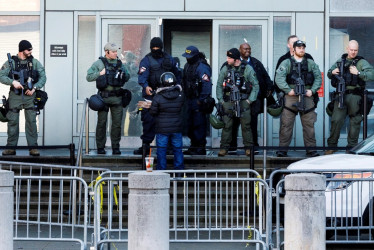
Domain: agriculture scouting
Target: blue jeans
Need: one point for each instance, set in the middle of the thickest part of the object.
(162, 144)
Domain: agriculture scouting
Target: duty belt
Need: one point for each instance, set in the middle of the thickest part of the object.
(105, 94)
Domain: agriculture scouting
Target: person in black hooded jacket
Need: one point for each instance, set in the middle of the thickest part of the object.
(166, 108)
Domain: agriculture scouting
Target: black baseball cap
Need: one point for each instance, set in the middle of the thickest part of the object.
(299, 43)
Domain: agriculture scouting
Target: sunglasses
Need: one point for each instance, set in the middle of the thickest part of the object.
(29, 49)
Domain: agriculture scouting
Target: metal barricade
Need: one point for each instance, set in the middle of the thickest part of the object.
(349, 205)
(206, 206)
(41, 203)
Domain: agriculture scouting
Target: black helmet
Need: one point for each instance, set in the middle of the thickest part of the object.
(3, 113)
(330, 108)
(4, 110)
(97, 103)
(216, 122)
(168, 79)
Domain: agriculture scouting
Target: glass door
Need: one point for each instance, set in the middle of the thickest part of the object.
(133, 37)
(229, 34)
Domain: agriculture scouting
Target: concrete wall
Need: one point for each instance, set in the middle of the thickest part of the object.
(58, 111)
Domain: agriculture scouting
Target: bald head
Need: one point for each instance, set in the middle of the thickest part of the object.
(352, 49)
(245, 50)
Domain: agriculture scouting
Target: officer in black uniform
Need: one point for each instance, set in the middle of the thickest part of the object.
(197, 87)
(151, 68)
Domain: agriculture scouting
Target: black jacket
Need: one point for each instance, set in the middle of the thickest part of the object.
(167, 109)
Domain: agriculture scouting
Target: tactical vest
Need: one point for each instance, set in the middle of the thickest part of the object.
(237, 79)
(192, 82)
(114, 76)
(350, 79)
(157, 69)
(27, 68)
(306, 76)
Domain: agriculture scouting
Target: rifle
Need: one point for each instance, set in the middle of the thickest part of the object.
(21, 76)
(299, 90)
(235, 95)
(340, 87)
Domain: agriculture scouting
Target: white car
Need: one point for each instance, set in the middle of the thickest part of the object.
(350, 187)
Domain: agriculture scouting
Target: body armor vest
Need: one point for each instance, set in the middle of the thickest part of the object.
(192, 82)
(350, 79)
(114, 76)
(157, 69)
(28, 72)
(237, 78)
(306, 76)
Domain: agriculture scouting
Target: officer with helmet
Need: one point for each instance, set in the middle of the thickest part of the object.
(197, 86)
(151, 67)
(166, 108)
(287, 75)
(110, 76)
(22, 95)
(236, 75)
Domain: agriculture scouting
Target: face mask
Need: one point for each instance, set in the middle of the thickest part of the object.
(193, 59)
(156, 53)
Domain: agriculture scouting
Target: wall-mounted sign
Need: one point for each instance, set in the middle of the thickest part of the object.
(59, 50)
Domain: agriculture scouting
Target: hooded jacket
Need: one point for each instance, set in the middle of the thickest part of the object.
(167, 109)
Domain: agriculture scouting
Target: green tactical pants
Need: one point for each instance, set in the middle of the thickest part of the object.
(287, 121)
(22, 102)
(116, 110)
(245, 122)
(352, 109)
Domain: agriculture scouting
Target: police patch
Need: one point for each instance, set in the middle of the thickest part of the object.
(141, 70)
(205, 77)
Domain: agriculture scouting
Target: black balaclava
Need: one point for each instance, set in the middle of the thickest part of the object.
(156, 42)
(193, 59)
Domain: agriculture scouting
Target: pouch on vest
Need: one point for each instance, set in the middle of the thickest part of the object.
(101, 82)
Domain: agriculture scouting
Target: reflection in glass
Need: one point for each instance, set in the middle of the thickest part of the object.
(343, 29)
(86, 56)
(281, 31)
(231, 36)
(134, 43)
(13, 29)
(20, 5)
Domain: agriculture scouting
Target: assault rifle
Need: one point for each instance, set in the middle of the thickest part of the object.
(235, 95)
(21, 76)
(340, 87)
(299, 90)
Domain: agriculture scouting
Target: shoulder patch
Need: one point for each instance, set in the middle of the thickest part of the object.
(205, 77)
(141, 70)
(281, 68)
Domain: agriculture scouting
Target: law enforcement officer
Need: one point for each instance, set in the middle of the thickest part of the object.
(356, 72)
(266, 90)
(197, 87)
(151, 67)
(21, 95)
(110, 75)
(290, 71)
(233, 78)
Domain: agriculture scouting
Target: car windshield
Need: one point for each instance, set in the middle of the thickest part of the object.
(366, 147)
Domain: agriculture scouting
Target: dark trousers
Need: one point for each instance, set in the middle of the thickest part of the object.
(235, 129)
(148, 123)
(197, 123)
